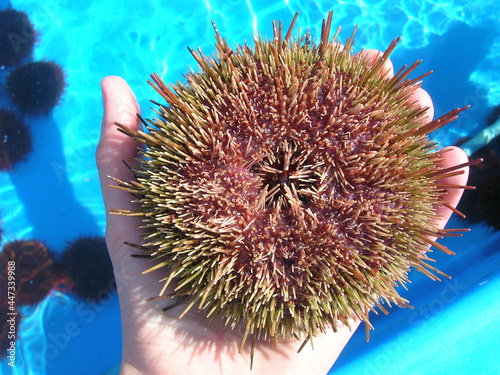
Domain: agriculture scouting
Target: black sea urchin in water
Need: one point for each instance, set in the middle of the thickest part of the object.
(85, 261)
(36, 87)
(17, 37)
(15, 139)
(287, 188)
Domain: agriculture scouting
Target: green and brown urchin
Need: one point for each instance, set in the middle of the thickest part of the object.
(287, 187)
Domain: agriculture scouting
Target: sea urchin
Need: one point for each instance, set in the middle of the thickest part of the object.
(15, 139)
(287, 188)
(36, 87)
(17, 37)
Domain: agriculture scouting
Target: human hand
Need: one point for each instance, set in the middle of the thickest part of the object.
(160, 343)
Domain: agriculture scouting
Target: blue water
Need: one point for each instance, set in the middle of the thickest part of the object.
(54, 196)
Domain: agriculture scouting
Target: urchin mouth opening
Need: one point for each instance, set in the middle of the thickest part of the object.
(287, 174)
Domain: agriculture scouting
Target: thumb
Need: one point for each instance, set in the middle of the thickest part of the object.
(115, 147)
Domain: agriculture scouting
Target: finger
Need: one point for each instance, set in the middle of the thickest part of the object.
(420, 97)
(115, 147)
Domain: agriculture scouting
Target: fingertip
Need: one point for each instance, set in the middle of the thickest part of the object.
(453, 155)
(111, 78)
(120, 106)
(422, 98)
(119, 102)
(370, 56)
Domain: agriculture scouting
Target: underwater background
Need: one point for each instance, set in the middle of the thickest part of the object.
(54, 197)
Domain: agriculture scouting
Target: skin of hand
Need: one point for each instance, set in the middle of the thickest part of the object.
(161, 343)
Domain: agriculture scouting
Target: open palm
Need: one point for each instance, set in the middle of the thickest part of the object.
(160, 343)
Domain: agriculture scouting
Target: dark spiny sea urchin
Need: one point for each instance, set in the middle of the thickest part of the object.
(86, 263)
(36, 87)
(17, 37)
(287, 188)
(35, 269)
(15, 139)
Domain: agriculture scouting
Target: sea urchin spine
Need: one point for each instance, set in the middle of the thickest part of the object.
(288, 187)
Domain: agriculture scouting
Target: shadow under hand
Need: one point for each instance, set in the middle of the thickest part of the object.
(49, 201)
